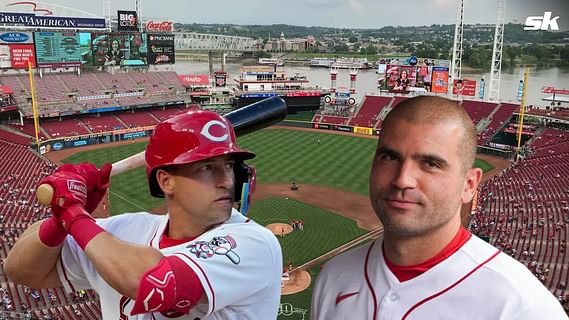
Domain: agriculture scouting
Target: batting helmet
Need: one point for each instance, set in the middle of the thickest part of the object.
(190, 137)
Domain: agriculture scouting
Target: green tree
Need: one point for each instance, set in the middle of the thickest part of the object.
(340, 48)
(263, 54)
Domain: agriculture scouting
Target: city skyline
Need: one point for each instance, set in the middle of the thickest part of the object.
(328, 13)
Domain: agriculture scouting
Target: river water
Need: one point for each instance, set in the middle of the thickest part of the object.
(367, 79)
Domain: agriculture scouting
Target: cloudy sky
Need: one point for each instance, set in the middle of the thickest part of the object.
(332, 13)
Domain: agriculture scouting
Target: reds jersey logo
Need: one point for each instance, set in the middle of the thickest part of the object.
(206, 131)
(218, 245)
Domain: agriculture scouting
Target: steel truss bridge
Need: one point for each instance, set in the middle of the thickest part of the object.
(214, 42)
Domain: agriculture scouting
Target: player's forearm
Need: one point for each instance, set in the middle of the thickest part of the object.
(30, 262)
(121, 264)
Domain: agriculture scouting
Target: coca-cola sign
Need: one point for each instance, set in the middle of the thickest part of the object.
(164, 26)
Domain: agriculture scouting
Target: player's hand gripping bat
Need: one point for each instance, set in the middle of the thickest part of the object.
(248, 119)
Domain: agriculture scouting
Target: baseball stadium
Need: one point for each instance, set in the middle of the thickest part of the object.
(311, 191)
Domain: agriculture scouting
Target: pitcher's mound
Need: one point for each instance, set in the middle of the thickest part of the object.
(299, 280)
(277, 228)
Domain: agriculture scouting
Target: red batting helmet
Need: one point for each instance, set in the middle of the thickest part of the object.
(190, 137)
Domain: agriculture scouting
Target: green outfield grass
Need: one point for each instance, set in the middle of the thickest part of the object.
(283, 156)
(484, 165)
(301, 116)
(287, 155)
(323, 231)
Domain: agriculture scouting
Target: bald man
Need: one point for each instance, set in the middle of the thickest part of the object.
(426, 265)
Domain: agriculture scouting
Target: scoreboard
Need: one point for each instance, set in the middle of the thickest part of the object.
(57, 49)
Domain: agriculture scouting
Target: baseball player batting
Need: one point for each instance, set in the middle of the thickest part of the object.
(203, 260)
(427, 266)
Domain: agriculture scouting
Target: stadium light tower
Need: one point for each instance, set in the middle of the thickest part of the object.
(107, 11)
(496, 69)
(138, 9)
(456, 67)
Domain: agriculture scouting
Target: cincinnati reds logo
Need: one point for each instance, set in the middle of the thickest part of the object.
(206, 131)
(218, 245)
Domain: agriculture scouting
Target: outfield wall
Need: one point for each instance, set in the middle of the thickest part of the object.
(93, 138)
(334, 127)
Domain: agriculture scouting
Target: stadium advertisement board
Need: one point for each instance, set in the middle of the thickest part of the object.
(16, 48)
(220, 78)
(194, 80)
(364, 130)
(163, 26)
(321, 126)
(400, 77)
(16, 37)
(161, 48)
(62, 49)
(465, 87)
(95, 138)
(127, 20)
(439, 80)
(119, 49)
(344, 128)
(49, 22)
(16, 56)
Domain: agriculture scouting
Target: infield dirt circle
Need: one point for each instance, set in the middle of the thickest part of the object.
(299, 281)
(277, 228)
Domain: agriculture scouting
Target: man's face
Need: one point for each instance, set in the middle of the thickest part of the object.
(204, 190)
(417, 183)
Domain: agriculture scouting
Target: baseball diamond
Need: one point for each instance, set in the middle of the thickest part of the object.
(338, 187)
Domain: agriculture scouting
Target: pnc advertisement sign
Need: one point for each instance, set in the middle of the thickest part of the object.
(127, 20)
(161, 48)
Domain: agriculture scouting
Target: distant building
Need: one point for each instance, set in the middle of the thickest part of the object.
(289, 45)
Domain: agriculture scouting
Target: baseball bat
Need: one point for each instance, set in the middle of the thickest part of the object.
(250, 118)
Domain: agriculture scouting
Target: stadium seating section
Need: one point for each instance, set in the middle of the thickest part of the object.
(370, 114)
(69, 92)
(524, 210)
(20, 170)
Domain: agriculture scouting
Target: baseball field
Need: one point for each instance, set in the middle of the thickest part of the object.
(331, 172)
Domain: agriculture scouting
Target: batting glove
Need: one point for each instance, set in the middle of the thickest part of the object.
(67, 205)
(97, 181)
(70, 189)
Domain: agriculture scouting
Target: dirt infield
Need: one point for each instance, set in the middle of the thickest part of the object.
(299, 281)
(279, 229)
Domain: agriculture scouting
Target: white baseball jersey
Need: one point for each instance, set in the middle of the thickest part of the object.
(239, 264)
(476, 282)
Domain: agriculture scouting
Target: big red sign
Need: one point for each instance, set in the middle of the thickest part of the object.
(164, 26)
